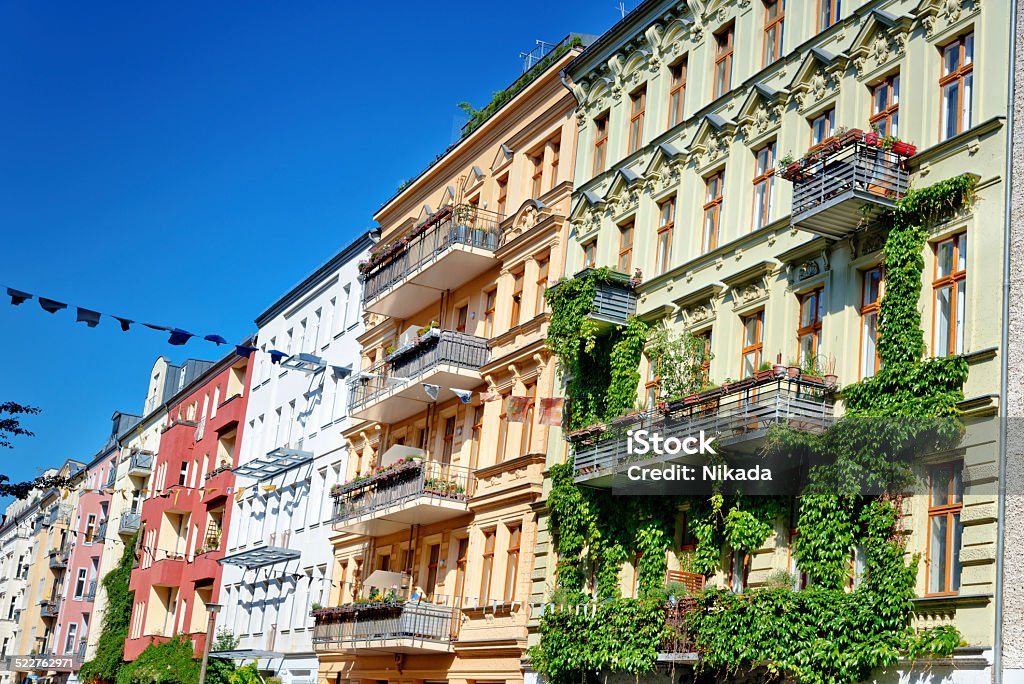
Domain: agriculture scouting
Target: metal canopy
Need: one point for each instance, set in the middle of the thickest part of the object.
(307, 363)
(274, 463)
(260, 556)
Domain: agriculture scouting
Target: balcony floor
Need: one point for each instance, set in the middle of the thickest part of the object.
(421, 510)
(839, 216)
(405, 400)
(387, 646)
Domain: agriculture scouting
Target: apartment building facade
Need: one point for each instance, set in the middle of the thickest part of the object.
(183, 520)
(433, 521)
(279, 556)
(687, 119)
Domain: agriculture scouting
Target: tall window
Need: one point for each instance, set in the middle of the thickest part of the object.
(723, 60)
(945, 502)
(828, 13)
(666, 224)
(433, 558)
(80, 581)
(517, 299)
(503, 428)
(677, 92)
(957, 84)
(638, 101)
(502, 195)
(600, 142)
(512, 567)
(871, 298)
(774, 21)
(625, 247)
(461, 318)
(764, 184)
(556, 148)
(527, 437)
(823, 127)
(543, 266)
(489, 301)
(448, 440)
(477, 432)
(462, 556)
(705, 366)
(90, 528)
(651, 383)
(590, 254)
(812, 308)
(950, 286)
(885, 106)
(488, 566)
(72, 638)
(537, 176)
(753, 329)
(712, 211)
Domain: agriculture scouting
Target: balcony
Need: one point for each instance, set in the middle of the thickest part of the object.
(614, 298)
(679, 642)
(49, 608)
(140, 463)
(738, 416)
(90, 593)
(834, 185)
(393, 391)
(410, 492)
(129, 523)
(449, 249)
(166, 570)
(59, 557)
(386, 628)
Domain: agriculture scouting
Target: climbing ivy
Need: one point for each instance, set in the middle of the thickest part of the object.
(109, 657)
(825, 634)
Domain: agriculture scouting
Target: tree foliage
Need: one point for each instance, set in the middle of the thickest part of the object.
(11, 414)
(168, 663)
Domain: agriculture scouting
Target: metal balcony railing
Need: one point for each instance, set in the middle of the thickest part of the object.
(90, 593)
(732, 416)
(434, 348)
(403, 482)
(49, 607)
(140, 461)
(462, 224)
(352, 624)
(111, 477)
(59, 557)
(679, 638)
(129, 522)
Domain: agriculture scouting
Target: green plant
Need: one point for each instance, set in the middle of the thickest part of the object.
(167, 663)
(225, 641)
(680, 360)
(109, 658)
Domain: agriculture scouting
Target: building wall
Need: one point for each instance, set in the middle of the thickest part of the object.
(16, 535)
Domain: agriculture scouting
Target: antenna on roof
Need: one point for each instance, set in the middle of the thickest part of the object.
(535, 55)
(622, 9)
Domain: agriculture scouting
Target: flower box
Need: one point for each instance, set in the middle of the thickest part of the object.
(904, 149)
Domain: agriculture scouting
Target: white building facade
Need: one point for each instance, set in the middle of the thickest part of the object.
(16, 535)
(279, 556)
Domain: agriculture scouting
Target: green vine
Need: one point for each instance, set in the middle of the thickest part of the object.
(826, 633)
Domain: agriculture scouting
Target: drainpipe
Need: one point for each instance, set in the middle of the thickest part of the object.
(997, 646)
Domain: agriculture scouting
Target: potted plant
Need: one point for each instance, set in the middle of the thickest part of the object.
(793, 369)
(904, 148)
(764, 372)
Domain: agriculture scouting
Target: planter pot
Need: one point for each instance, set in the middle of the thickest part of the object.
(813, 379)
(712, 393)
(691, 399)
(740, 385)
(904, 149)
(779, 370)
(793, 372)
(831, 380)
(763, 375)
(871, 138)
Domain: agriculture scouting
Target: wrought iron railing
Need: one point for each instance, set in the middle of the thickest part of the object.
(420, 621)
(679, 637)
(130, 522)
(463, 224)
(856, 166)
(405, 481)
(434, 348)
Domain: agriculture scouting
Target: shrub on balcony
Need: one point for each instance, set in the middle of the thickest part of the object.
(380, 474)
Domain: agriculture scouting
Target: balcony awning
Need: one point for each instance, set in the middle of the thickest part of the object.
(245, 654)
(306, 363)
(274, 463)
(260, 557)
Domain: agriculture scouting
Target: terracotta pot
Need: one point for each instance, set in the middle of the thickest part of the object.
(793, 372)
(763, 375)
(904, 149)
(779, 370)
(831, 380)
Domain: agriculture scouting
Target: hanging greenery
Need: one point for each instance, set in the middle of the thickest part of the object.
(109, 657)
(827, 633)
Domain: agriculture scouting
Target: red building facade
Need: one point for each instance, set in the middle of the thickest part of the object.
(185, 518)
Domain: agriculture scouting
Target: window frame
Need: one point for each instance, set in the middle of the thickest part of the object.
(956, 76)
(833, 8)
(518, 283)
(677, 91)
(778, 23)
(490, 304)
(487, 564)
(712, 207)
(763, 179)
(515, 541)
(502, 203)
(636, 118)
(757, 347)
(590, 254)
(627, 236)
(663, 257)
(543, 273)
(872, 307)
(829, 115)
(724, 50)
(955, 280)
(601, 122)
(886, 120)
(813, 328)
(951, 511)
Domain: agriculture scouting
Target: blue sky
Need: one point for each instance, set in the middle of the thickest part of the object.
(186, 163)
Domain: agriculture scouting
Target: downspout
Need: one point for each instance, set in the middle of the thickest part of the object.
(1004, 370)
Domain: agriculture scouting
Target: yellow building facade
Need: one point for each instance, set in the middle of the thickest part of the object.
(435, 527)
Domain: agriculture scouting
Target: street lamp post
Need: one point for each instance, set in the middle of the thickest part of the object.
(213, 609)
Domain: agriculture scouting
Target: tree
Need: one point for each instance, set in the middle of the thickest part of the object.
(10, 426)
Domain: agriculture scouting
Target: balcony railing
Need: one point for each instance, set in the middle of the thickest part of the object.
(428, 490)
(90, 593)
(679, 639)
(445, 352)
(424, 625)
(832, 188)
(737, 416)
(140, 463)
(59, 557)
(49, 607)
(129, 523)
(614, 298)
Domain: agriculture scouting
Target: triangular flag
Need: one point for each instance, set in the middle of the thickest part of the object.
(51, 305)
(17, 296)
(463, 395)
(244, 351)
(87, 316)
(216, 339)
(431, 390)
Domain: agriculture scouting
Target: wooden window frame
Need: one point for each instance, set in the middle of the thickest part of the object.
(476, 434)
(625, 261)
(487, 564)
(652, 384)
(723, 59)
(543, 273)
(778, 23)
(834, 7)
(886, 120)
(705, 367)
(461, 559)
(448, 439)
(955, 280)
(712, 207)
(677, 91)
(814, 327)
(830, 116)
(502, 195)
(757, 347)
(637, 106)
(515, 541)
(518, 283)
(956, 76)
(503, 429)
(951, 511)
(537, 177)
(590, 254)
(601, 141)
(526, 437)
(556, 148)
(872, 307)
(764, 178)
(490, 304)
(663, 258)
(461, 318)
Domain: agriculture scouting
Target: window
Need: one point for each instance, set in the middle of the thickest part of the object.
(517, 299)
(885, 106)
(512, 567)
(812, 308)
(448, 440)
(556, 148)
(488, 566)
(590, 254)
(705, 365)
(537, 176)
(183, 473)
(651, 383)
(753, 329)
(476, 432)
(957, 85)
(774, 21)
(950, 286)
(676, 92)
(80, 582)
(90, 528)
(434, 557)
(502, 195)
(823, 127)
(489, 300)
(543, 266)
(636, 118)
(740, 571)
(600, 142)
(945, 501)
(461, 317)
(723, 60)
(764, 184)
(712, 211)
(462, 555)
(72, 638)
(527, 437)
(625, 247)
(871, 298)
(666, 223)
(502, 429)
(828, 13)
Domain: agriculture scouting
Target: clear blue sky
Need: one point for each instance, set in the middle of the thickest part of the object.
(186, 163)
